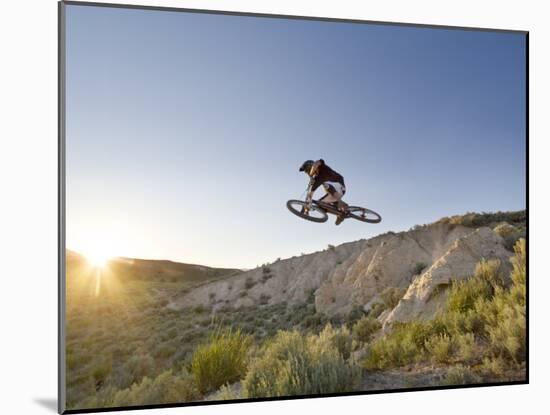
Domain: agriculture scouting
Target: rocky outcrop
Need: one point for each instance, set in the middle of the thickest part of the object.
(426, 293)
(420, 262)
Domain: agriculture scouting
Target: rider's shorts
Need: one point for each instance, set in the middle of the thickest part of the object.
(335, 191)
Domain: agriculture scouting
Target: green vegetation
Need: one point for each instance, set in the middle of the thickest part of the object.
(483, 323)
(391, 295)
(222, 360)
(127, 346)
(294, 364)
(364, 329)
(419, 267)
(461, 375)
(475, 220)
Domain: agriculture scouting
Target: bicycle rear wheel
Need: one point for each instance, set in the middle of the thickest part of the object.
(364, 214)
(315, 213)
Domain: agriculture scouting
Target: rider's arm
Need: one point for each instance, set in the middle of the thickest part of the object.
(315, 167)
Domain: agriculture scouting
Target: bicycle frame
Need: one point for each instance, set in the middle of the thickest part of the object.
(325, 206)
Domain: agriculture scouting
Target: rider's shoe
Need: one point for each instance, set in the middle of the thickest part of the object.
(339, 219)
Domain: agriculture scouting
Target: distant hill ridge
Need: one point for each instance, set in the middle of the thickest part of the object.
(415, 266)
(151, 269)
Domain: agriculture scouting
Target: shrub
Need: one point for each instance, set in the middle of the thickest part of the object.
(391, 296)
(404, 345)
(164, 351)
(165, 388)
(464, 294)
(377, 309)
(510, 234)
(494, 366)
(466, 347)
(504, 316)
(339, 338)
(355, 314)
(519, 275)
(101, 371)
(222, 360)
(226, 393)
(138, 366)
(485, 219)
(482, 319)
(460, 375)
(489, 271)
(249, 283)
(419, 267)
(314, 321)
(364, 329)
(505, 229)
(292, 364)
(439, 347)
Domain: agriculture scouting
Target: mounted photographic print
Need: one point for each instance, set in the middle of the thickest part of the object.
(264, 207)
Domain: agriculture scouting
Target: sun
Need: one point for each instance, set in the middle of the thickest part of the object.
(97, 258)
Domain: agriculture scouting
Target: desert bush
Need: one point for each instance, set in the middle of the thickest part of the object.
(164, 351)
(439, 348)
(505, 229)
(339, 338)
(293, 364)
(226, 393)
(460, 375)
(511, 234)
(490, 271)
(486, 219)
(464, 294)
(101, 371)
(364, 329)
(466, 347)
(494, 366)
(482, 319)
(221, 360)
(504, 316)
(354, 315)
(519, 272)
(377, 309)
(456, 323)
(391, 296)
(314, 321)
(165, 388)
(405, 344)
(419, 267)
(138, 366)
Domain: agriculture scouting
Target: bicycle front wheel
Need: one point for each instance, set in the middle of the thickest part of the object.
(313, 214)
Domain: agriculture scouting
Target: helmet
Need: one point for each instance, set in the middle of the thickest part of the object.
(306, 166)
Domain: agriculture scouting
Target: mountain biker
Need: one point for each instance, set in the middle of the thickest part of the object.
(332, 182)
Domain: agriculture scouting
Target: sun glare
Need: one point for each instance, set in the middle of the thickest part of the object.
(97, 258)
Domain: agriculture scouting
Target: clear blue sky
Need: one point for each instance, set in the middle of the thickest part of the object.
(185, 131)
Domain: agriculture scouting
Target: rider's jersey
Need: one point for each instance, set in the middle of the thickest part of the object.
(326, 174)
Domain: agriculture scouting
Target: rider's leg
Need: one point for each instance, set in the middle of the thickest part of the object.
(335, 192)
